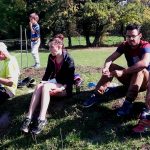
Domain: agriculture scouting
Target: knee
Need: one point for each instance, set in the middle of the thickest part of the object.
(115, 67)
(112, 67)
(39, 86)
(141, 74)
(45, 87)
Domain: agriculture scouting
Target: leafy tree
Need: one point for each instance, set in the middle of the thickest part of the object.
(11, 17)
(97, 17)
(135, 12)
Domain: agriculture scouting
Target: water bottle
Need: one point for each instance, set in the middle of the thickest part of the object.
(91, 85)
(78, 89)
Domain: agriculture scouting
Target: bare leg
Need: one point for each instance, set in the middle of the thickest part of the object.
(138, 81)
(147, 100)
(35, 100)
(45, 97)
(105, 81)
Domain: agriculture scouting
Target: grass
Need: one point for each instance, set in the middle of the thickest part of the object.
(109, 40)
(71, 127)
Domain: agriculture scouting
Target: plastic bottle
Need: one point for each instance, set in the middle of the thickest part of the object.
(91, 85)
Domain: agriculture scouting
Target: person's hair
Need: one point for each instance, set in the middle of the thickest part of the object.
(60, 36)
(34, 16)
(133, 26)
(56, 41)
(3, 49)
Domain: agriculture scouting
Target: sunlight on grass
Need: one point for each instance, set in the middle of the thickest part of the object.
(70, 127)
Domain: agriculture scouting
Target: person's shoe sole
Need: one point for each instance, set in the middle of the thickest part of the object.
(88, 105)
(25, 130)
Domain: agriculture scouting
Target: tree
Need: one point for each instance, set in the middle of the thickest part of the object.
(97, 17)
(135, 12)
(11, 18)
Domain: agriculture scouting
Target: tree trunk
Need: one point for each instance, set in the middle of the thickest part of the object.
(122, 30)
(69, 41)
(98, 33)
(86, 34)
(87, 38)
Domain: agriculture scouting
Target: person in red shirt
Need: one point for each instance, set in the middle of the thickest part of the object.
(135, 76)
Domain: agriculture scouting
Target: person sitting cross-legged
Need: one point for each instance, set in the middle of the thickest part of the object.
(57, 81)
(135, 76)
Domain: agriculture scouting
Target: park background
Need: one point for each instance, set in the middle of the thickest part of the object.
(92, 29)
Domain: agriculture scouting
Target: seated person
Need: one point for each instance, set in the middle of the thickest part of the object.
(143, 124)
(57, 81)
(135, 76)
(9, 73)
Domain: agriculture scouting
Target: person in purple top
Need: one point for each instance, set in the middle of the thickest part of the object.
(35, 38)
(135, 76)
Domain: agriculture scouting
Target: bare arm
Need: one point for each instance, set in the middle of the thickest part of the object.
(30, 24)
(140, 65)
(109, 61)
(6, 81)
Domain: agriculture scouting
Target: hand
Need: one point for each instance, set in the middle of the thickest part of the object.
(116, 73)
(55, 91)
(105, 71)
(30, 24)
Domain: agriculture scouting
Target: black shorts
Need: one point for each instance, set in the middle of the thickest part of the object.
(3, 95)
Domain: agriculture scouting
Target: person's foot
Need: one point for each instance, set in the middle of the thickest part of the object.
(25, 125)
(37, 66)
(39, 126)
(96, 97)
(142, 126)
(90, 101)
(125, 109)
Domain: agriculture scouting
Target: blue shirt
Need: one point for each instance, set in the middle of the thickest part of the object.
(36, 28)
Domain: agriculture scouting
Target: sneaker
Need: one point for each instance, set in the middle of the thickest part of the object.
(24, 82)
(39, 126)
(125, 109)
(142, 126)
(32, 83)
(95, 98)
(25, 125)
(37, 66)
(91, 101)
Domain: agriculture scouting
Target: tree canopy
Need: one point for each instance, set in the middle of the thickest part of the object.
(72, 17)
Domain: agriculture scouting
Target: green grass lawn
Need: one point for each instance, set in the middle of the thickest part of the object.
(109, 40)
(70, 127)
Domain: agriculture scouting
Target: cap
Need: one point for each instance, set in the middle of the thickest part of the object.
(3, 48)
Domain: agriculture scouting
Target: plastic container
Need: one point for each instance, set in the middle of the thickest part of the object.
(91, 85)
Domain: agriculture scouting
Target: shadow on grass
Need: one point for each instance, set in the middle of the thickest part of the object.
(69, 123)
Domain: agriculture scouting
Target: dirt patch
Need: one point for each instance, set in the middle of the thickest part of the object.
(38, 73)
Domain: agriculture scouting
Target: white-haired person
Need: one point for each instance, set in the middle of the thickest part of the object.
(9, 73)
(57, 81)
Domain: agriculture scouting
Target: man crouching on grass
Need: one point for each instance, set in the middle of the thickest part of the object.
(135, 76)
(9, 73)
